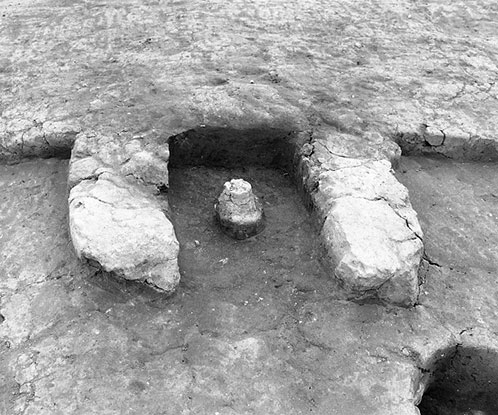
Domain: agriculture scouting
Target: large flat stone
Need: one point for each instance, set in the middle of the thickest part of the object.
(370, 232)
(372, 251)
(124, 230)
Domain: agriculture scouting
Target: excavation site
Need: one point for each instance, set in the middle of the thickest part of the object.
(248, 208)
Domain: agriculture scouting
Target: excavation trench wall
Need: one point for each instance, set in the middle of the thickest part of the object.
(234, 148)
(230, 148)
(40, 140)
(458, 146)
(461, 380)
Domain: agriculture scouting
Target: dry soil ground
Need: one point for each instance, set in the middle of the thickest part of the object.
(256, 327)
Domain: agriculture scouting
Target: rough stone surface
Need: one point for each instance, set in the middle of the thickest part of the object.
(122, 229)
(370, 232)
(399, 70)
(105, 174)
(423, 74)
(238, 211)
(141, 157)
(369, 180)
(372, 250)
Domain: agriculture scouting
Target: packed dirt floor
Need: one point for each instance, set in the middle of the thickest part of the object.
(256, 326)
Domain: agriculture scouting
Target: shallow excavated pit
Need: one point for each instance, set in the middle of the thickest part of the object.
(285, 254)
(464, 381)
(232, 148)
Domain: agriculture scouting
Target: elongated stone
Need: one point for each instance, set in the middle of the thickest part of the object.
(371, 249)
(370, 233)
(123, 229)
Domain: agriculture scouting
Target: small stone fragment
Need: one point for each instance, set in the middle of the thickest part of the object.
(434, 137)
(239, 211)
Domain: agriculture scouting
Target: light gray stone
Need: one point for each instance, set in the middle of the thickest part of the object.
(124, 230)
(369, 247)
(370, 232)
(434, 136)
(371, 180)
(82, 169)
(239, 211)
(144, 158)
(368, 145)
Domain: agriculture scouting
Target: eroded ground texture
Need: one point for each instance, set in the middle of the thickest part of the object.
(259, 326)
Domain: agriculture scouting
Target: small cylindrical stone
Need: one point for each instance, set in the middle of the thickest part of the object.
(238, 211)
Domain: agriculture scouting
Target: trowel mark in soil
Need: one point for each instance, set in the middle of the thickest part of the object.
(465, 382)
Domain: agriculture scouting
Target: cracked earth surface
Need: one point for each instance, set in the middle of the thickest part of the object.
(139, 66)
(255, 327)
(75, 341)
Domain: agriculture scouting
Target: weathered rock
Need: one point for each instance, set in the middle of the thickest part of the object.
(143, 65)
(124, 230)
(239, 211)
(38, 136)
(82, 169)
(144, 158)
(449, 140)
(371, 234)
(433, 136)
(116, 222)
(370, 180)
(370, 248)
